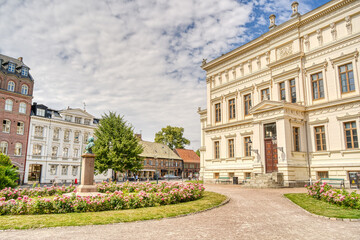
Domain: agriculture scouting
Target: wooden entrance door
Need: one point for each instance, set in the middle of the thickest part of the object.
(271, 158)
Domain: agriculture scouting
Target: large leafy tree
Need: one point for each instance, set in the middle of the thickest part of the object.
(116, 147)
(8, 172)
(172, 137)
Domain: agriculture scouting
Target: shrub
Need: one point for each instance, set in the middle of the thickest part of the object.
(8, 173)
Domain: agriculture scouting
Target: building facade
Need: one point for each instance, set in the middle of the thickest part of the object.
(287, 102)
(57, 139)
(191, 162)
(159, 159)
(16, 89)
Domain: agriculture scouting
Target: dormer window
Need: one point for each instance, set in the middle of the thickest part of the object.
(24, 71)
(11, 67)
(11, 86)
(40, 112)
(24, 89)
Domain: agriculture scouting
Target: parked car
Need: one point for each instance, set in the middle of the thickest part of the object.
(170, 176)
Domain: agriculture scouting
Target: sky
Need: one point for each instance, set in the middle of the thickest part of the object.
(138, 58)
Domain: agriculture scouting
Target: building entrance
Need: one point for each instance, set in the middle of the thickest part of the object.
(271, 155)
(34, 173)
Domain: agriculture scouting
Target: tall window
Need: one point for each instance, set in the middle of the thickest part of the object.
(64, 170)
(24, 71)
(296, 139)
(11, 86)
(53, 169)
(56, 133)
(86, 136)
(6, 126)
(247, 146)
(39, 131)
(231, 148)
(282, 91)
(67, 135)
(20, 128)
(22, 107)
(293, 90)
(265, 94)
(24, 89)
(37, 149)
(68, 118)
(77, 120)
(8, 105)
(76, 153)
(4, 147)
(217, 112)
(320, 138)
(87, 121)
(232, 108)
(317, 85)
(54, 151)
(217, 149)
(247, 104)
(11, 67)
(75, 170)
(347, 78)
(18, 149)
(65, 152)
(76, 136)
(351, 138)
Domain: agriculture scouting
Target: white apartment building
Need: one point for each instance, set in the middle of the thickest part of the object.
(57, 139)
(287, 102)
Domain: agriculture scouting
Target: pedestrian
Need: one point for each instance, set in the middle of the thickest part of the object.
(136, 177)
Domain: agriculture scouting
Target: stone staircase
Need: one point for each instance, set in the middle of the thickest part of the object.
(265, 180)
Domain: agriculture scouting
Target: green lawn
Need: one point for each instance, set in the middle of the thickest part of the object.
(195, 181)
(322, 208)
(210, 199)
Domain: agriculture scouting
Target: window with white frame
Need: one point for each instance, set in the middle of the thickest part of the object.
(87, 121)
(75, 170)
(11, 67)
(8, 105)
(37, 149)
(20, 128)
(77, 120)
(6, 126)
(54, 151)
(67, 135)
(39, 131)
(24, 89)
(24, 71)
(68, 118)
(4, 147)
(40, 112)
(76, 136)
(64, 170)
(86, 136)
(53, 169)
(11, 86)
(56, 133)
(22, 107)
(65, 152)
(18, 149)
(76, 153)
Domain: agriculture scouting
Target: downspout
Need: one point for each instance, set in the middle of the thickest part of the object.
(26, 149)
(307, 151)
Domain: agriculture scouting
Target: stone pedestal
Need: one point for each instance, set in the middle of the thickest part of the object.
(87, 174)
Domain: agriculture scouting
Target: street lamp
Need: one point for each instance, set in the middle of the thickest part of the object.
(253, 150)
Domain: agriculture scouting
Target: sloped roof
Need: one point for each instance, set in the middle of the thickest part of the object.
(157, 150)
(77, 112)
(14, 60)
(188, 155)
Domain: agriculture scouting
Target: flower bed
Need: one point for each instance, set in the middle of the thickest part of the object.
(131, 195)
(12, 193)
(339, 197)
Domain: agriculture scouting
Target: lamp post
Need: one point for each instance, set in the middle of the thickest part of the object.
(156, 169)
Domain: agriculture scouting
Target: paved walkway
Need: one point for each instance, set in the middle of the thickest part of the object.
(251, 214)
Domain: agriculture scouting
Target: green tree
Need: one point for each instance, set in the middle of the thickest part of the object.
(8, 172)
(116, 147)
(172, 137)
(198, 152)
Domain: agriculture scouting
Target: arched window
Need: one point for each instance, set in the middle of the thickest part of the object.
(11, 86)
(18, 149)
(20, 128)
(6, 126)
(4, 147)
(22, 107)
(8, 105)
(24, 89)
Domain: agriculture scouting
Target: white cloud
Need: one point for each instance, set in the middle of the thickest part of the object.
(138, 58)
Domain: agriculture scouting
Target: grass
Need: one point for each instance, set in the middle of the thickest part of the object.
(210, 199)
(322, 208)
(195, 181)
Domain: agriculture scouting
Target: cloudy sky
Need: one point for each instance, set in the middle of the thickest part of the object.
(139, 58)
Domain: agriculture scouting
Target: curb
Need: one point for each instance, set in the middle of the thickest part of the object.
(324, 217)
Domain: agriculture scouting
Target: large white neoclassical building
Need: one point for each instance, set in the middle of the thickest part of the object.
(57, 139)
(287, 102)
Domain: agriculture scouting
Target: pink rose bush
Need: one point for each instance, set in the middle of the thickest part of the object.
(12, 193)
(131, 195)
(339, 197)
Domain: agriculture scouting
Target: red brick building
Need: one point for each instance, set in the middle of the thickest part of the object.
(16, 90)
(191, 162)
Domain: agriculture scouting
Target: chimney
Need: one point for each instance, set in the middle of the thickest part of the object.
(272, 21)
(20, 59)
(294, 7)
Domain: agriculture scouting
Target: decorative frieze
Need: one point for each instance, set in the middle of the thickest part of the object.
(285, 50)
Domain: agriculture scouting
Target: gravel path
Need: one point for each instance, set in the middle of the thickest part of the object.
(251, 214)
